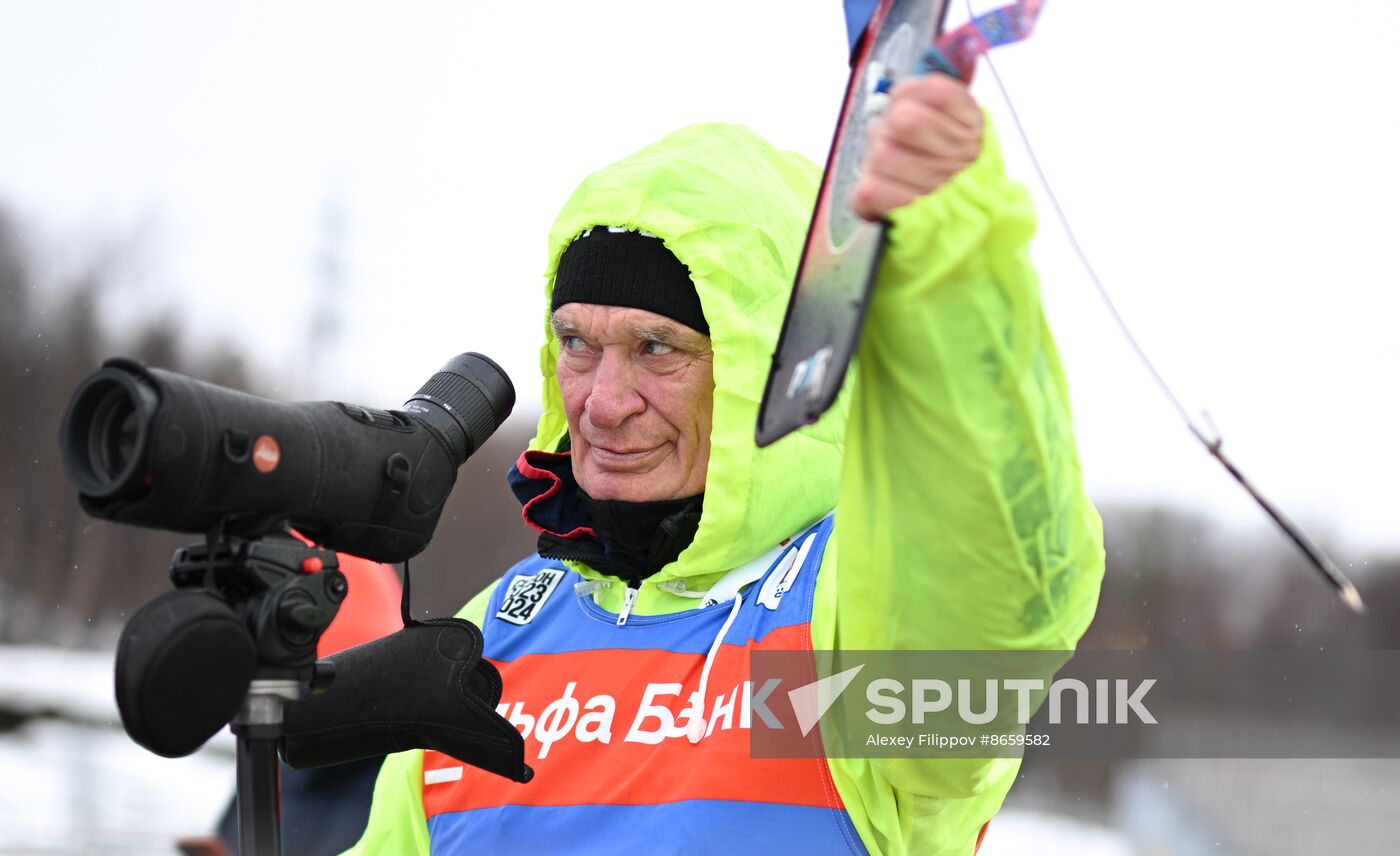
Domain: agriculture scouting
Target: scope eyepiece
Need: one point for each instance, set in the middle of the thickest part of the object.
(467, 400)
(105, 432)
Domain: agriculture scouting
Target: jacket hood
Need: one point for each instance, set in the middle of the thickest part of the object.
(735, 211)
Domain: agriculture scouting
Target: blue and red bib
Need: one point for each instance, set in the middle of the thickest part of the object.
(627, 756)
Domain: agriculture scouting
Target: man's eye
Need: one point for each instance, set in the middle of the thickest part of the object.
(657, 349)
(571, 343)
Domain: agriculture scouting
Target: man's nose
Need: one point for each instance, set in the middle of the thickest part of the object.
(613, 396)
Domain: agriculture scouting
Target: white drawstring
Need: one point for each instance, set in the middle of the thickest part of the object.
(697, 724)
(729, 587)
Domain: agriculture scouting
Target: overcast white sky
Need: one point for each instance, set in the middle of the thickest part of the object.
(1230, 167)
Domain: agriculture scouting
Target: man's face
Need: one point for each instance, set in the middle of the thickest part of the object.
(639, 392)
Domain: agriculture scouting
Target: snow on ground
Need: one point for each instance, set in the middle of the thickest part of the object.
(72, 782)
(68, 788)
(74, 684)
(1017, 832)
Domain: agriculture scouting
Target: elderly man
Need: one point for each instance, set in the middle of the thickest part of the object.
(670, 546)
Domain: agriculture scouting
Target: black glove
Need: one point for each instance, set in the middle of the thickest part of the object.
(425, 687)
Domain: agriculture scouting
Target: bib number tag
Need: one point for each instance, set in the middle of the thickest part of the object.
(527, 595)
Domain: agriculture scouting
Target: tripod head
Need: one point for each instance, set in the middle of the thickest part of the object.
(286, 591)
(235, 643)
(243, 609)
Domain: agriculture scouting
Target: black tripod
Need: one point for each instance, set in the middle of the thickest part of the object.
(286, 593)
(258, 728)
(235, 643)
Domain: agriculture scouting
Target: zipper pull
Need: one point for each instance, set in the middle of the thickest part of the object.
(627, 603)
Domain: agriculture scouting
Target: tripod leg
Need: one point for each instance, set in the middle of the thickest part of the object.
(259, 807)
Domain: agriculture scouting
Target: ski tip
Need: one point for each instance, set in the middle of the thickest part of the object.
(1352, 598)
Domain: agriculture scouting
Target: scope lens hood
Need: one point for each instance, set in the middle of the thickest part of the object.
(106, 430)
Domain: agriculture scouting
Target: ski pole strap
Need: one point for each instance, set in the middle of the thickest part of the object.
(956, 52)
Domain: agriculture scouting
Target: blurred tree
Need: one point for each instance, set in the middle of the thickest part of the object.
(14, 287)
(1163, 570)
(1381, 587)
(65, 577)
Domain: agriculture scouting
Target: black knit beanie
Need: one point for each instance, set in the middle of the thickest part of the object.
(611, 266)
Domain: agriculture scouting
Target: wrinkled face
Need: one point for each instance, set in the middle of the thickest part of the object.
(638, 391)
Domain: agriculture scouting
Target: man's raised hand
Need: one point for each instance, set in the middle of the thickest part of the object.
(930, 131)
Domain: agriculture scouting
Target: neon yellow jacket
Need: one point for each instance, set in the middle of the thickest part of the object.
(961, 518)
